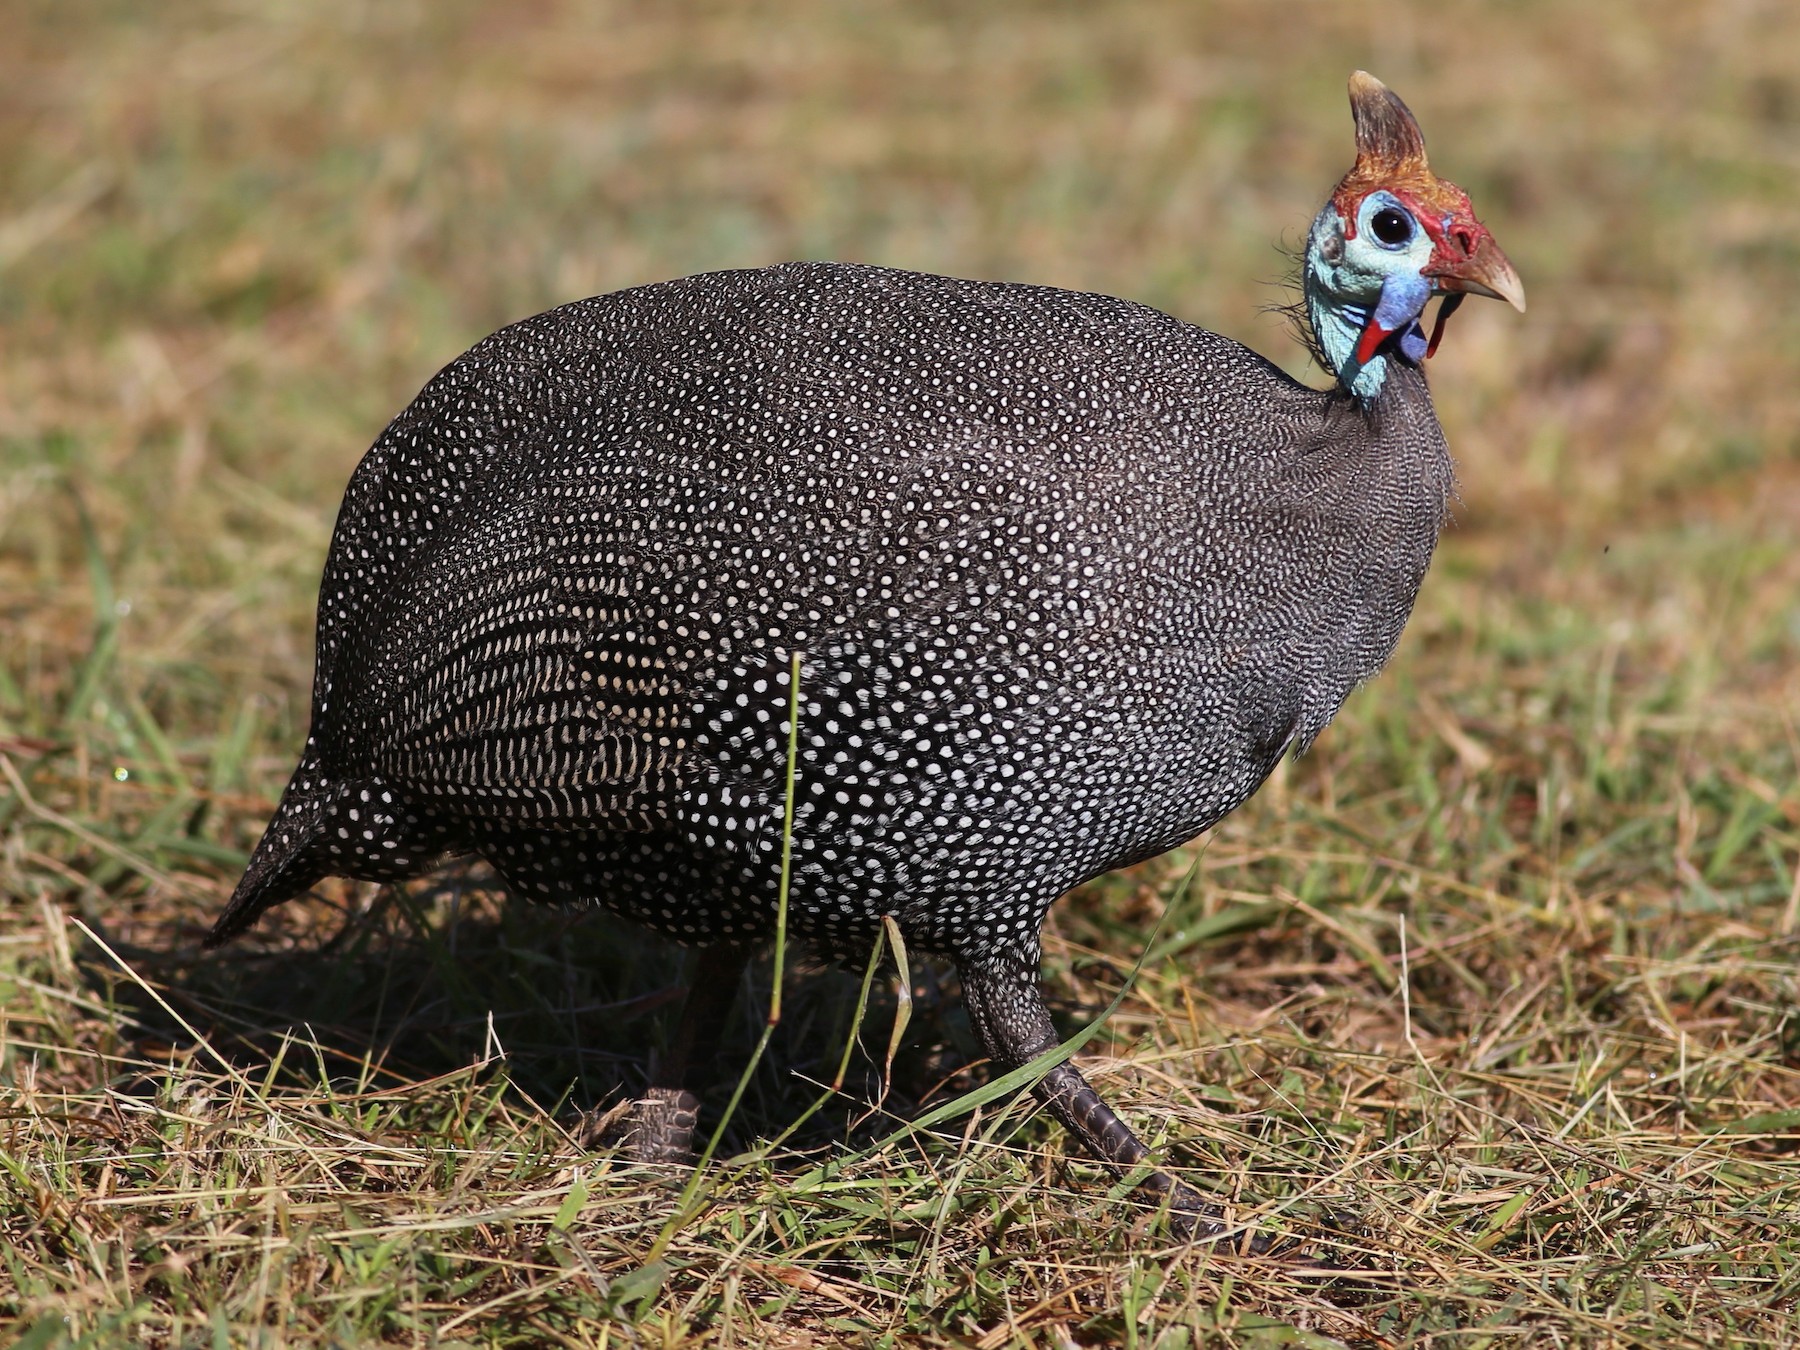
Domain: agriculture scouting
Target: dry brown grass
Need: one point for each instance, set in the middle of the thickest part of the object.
(1492, 996)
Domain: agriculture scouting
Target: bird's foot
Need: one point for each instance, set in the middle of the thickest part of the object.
(656, 1128)
(1192, 1218)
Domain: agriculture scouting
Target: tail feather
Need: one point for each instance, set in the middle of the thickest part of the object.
(360, 828)
(285, 863)
(272, 877)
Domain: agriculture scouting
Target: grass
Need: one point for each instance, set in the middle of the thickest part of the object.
(1492, 995)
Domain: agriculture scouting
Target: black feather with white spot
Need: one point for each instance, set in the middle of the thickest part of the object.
(1068, 576)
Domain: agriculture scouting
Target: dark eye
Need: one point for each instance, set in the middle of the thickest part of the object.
(1392, 226)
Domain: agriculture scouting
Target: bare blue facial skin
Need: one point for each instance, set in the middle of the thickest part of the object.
(1345, 278)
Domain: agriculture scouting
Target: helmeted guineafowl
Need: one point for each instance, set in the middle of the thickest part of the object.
(1065, 578)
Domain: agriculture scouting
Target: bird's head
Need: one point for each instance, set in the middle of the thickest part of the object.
(1393, 235)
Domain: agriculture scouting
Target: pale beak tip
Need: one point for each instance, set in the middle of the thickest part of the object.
(1489, 273)
(1502, 278)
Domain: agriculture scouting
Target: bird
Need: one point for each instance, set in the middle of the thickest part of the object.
(1023, 585)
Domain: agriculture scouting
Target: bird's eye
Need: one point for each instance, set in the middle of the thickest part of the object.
(1392, 226)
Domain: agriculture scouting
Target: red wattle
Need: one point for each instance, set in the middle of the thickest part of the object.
(1437, 336)
(1445, 309)
(1372, 338)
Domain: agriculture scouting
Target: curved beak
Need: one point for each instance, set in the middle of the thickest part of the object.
(1485, 271)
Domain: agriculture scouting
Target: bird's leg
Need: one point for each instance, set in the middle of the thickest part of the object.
(659, 1127)
(1007, 1011)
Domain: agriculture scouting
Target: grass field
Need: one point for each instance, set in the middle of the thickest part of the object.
(1491, 996)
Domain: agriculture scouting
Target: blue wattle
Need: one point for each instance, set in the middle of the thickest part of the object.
(1413, 343)
(1403, 297)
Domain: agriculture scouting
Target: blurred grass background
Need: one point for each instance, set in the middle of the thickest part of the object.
(236, 238)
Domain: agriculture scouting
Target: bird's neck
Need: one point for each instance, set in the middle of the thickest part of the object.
(1338, 325)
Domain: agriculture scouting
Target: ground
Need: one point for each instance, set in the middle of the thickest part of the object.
(1490, 996)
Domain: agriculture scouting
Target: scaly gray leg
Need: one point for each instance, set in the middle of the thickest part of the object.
(1007, 1011)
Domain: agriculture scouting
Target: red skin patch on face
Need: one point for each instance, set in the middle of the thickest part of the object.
(1442, 209)
(1372, 338)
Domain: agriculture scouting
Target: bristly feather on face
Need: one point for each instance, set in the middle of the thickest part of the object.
(1392, 236)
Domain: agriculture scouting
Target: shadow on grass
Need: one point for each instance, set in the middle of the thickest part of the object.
(571, 1008)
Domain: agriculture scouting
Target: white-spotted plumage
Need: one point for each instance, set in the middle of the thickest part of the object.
(1062, 578)
(1067, 576)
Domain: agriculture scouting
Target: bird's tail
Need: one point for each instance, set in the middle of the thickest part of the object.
(327, 827)
(287, 860)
